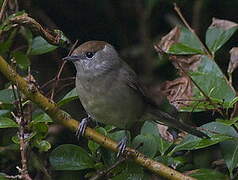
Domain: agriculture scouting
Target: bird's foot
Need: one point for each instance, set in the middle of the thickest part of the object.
(82, 126)
(122, 146)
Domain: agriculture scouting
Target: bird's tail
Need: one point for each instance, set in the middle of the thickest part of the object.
(167, 119)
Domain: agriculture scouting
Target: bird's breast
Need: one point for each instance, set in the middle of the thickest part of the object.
(110, 101)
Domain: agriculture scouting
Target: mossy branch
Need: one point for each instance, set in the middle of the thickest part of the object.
(61, 117)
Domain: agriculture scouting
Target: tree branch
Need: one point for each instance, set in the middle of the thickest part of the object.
(66, 120)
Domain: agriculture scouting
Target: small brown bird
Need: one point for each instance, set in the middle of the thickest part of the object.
(110, 92)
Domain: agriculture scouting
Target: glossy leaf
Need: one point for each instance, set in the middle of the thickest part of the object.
(219, 33)
(187, 43)
(70, 157)
(41, 46)
(6, 96)
(150, 128)
(210, 79)
(229, 148)
(131, 171)
(146, 143)
(43, 145)
(21, 59)
(3, 112)
(7, 123)
(70, 96)
(208, 174)
(192, 142)
(170, 161)
(42, 117)
(3, 176)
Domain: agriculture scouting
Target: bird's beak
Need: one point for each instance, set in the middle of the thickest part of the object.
(71, 58)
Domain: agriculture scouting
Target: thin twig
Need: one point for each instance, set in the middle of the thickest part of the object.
(66, 120)
(176, 8)
(3, 8)
(53, 80)
(20, 120)
(173, 58)
(60, 71)
(104, 173)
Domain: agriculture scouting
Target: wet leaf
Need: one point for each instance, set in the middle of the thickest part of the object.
(150, 128)
(219, 32)
(70, 157)
(146, 143)
(41, 46)
(183, 93)
(42, 117)
(6, 96)
(218, 133)
(205, 174)
(21, 59)
(180, 41)
(7, 123)
(70, 96)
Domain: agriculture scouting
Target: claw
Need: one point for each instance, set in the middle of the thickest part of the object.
(122, 146)
(82, 127)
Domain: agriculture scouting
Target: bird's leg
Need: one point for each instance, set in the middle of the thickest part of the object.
(82, 126)
(122, 145)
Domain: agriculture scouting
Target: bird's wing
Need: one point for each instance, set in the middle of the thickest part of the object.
(163, 117)
(132, 80)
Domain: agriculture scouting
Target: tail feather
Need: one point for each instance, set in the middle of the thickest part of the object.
(167, 119)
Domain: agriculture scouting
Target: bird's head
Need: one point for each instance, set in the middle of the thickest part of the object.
(94, 57)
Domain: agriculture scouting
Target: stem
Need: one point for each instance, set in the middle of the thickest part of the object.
(66, 120)
(60, 71)
(176, 8)
(4, 5)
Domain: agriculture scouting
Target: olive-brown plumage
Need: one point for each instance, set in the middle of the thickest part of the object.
(110, 91)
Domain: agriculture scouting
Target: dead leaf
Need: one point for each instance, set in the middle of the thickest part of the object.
(168, 40)
(223, 24)
(178, 91)
(163, 130)
(233, 64)
(188, 63)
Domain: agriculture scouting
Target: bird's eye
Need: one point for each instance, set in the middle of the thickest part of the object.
(89, 54)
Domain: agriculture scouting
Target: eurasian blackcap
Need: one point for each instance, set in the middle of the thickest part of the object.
(110, 92)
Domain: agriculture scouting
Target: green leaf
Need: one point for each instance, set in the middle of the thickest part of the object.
(108, 156)
(41, 130)
(43, 145)
(21, 59)
(93, 146)
(180, 48)
(7, 123)
(5, 45)
(187, 43)
(210, 79)
(171, 161)
(16, 139)
(6, 96)
(70, 157)
(70, 96)
(3, 176)
(3, 112)
(219, 33)
(131, 171)
(229, 148)
(41, 118)
(146, 143)
(208, 174)
(152, 129)
(192, 142)
(41, 46)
